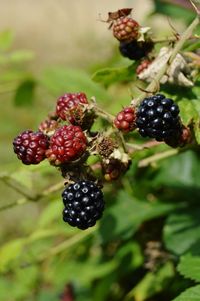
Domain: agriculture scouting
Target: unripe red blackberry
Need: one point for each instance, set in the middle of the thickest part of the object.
(30, 147)
(158, 117)
(125, 29)
(67, 144)
(135, 50)
(142, 66)
(84, 204)
(68, 102)
(125, 120)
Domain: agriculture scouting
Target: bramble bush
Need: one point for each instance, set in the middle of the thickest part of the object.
(128, 172)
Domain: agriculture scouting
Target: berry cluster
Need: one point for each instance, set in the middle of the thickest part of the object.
(66, 138)
(132, 42)
(83, 203)
(125, 29)
(30, 147)
(135, 50)
(125, 120)
(67, 144)
(158, 117)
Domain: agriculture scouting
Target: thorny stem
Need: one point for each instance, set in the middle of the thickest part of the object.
(172, 39)
(153, 85)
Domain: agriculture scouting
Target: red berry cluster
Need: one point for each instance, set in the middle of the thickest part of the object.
(125, 120)
(67, 144)
(57, 142)
(125, 29)
(67, 103)
(30, 147)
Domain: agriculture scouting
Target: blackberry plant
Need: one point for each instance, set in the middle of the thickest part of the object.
(128, 159)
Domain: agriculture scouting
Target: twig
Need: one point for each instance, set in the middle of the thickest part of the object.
(17, 203)
(103, 114)
(147, 145)
(157, 157)
(37, 197)
(152, 86)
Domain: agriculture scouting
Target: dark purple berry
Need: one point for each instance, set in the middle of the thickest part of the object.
(30, 147)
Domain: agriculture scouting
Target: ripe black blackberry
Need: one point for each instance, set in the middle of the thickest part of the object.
(135, 50)
(158, 117)
(84, 204)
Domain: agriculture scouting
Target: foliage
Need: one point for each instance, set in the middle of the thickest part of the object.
(157, 203)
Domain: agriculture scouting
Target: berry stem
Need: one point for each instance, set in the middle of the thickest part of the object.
(147, 145)
(103, 114)
(172, 39)
(154, 84)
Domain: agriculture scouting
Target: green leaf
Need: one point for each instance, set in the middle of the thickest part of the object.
(191, 294)
(180, 171)
(126, 215)
(187, 111)
(181, 231)
(59, 80)
(174, 10)
(192, 46)
(189, 267)
(152, 283)
(108, 76)
(25, 93)
(6, 39)
(9, 252)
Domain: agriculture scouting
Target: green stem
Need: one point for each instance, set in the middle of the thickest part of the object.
(27, 198)
(103, 114)
(157, 157)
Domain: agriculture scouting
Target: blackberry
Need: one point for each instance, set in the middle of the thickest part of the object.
(125, 29)
(67, 144)
(30, 147)
(84, 204)
(67, 103)
(125, 120)
(135, 50)
(158, 117)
